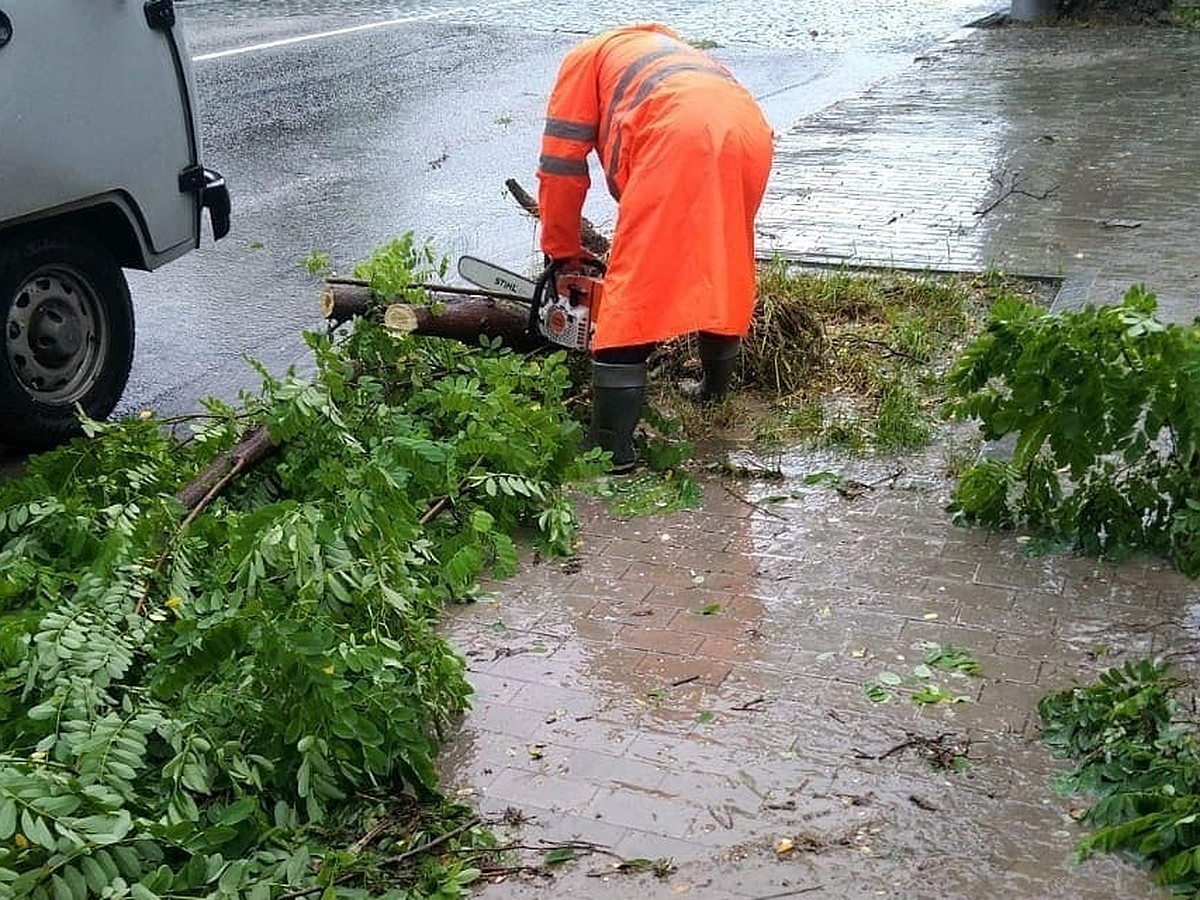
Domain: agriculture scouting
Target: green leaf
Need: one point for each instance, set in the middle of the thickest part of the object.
(875, 693)
(56, 806)
(558, 856)
(75, 880)
(62, 890)
(239, 811)
(8, 818)
(34, 828)
(195, 777)
(106, 829)
(950, 657)
(95, 876)
(468, 876)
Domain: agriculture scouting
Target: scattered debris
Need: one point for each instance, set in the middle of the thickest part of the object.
(948, 751)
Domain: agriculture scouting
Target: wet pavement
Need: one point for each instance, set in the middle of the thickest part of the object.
(693, 686)
(1042, 151)
(340, 125)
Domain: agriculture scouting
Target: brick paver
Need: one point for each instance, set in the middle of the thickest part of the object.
(691, 686)
(638, 721)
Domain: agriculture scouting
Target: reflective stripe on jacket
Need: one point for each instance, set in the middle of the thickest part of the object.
(601, 84)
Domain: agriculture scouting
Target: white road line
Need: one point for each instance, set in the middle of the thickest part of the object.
(404, 20)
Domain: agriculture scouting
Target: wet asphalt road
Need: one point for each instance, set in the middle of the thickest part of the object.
(340, 125)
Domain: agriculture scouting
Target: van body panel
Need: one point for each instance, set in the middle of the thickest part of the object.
(94, 103)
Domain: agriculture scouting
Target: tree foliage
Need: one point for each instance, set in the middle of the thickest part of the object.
(1104, 406)
(1138, 762)
(194, 710)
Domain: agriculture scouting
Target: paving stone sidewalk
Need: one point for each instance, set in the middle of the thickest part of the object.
(691, 686)
(1037, 150)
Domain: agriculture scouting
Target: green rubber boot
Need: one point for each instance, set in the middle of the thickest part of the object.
(618, 392)
(718, 357)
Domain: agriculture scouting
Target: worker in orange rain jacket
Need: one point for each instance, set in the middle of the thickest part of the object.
(686, 153)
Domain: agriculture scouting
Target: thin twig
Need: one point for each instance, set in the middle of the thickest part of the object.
(589, 846)
(401, 857)
(725, 467)
(429, 845)
(435, 510)
(234, 470)
(195, 417)
(303, 892)
(362, 843)
(884, 346)
(751, 705)
(542, 847)
(1013, 189)
(472, 292)
(756, 506)
(442, 502)
(793, 893)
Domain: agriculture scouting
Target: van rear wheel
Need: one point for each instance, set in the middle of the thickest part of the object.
(68, 336)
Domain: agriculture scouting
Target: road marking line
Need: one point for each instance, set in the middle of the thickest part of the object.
(303, 38)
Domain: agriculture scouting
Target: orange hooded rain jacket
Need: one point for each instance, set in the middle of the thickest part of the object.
(686, 153)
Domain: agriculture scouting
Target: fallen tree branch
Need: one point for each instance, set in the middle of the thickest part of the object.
(589, 235)
(750, 503)
(463, 314)
(429, 845)
(252, 449)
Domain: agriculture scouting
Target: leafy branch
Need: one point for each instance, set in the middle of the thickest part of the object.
(1104, 405)
(198, 688)
(1138, 764)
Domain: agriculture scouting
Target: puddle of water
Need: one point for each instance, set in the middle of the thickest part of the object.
(655, 729)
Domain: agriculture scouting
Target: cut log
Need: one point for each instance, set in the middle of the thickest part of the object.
(341, 302)
(465, 319)
(458, 314)
(589, 235)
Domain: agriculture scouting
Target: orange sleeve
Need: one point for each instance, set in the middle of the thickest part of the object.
(572, 120)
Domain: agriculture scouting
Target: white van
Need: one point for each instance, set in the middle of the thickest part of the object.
(100, 169)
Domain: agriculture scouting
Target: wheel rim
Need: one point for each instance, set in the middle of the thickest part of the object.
(56, 333)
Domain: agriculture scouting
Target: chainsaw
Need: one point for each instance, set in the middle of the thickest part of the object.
(561, 304)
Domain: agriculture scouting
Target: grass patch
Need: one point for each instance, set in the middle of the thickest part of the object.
(840, 359)
(1186, 13)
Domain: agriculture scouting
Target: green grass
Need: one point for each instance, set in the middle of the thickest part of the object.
(844, 359)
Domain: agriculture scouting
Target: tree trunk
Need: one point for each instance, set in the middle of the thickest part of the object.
(457, 315)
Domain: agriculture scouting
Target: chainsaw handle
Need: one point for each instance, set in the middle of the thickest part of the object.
(548, 277)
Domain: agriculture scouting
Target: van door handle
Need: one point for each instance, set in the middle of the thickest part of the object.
(5, 29)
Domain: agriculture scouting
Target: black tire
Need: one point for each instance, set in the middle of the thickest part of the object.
(67, 324)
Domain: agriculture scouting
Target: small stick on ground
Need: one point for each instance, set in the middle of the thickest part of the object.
(756, 506)
(1007, 190)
